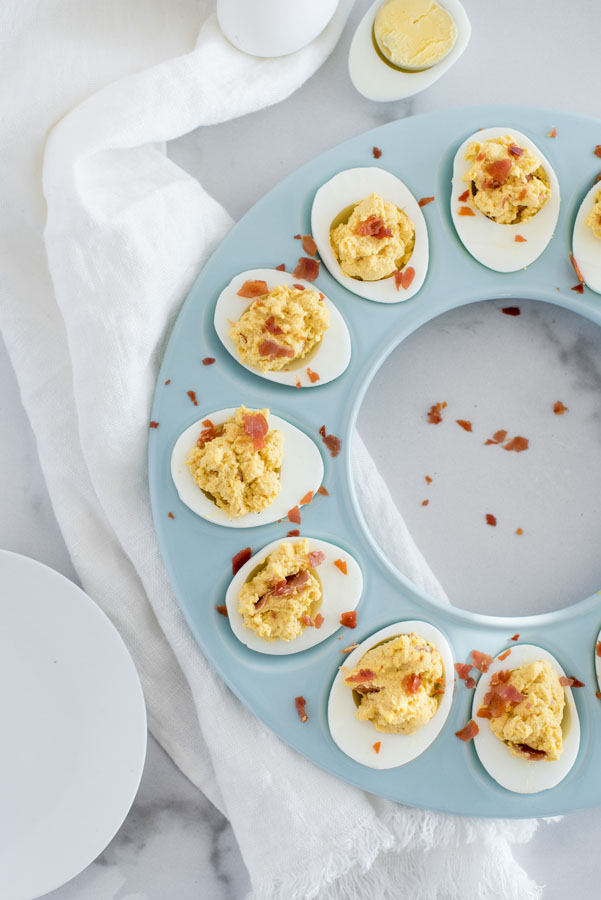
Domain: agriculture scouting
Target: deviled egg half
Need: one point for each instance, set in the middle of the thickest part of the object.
(371, 234)
(291, 595)
(243, 467)
(504, 198)
(529, 731)
(282, 328)
(586, 239)
(390, 698)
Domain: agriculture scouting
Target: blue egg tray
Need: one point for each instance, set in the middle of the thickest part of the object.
(419, 150)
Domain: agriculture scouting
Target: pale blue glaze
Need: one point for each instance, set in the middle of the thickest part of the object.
(197, 554)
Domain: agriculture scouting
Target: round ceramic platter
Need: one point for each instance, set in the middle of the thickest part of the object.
(73, 729)
(419, 150)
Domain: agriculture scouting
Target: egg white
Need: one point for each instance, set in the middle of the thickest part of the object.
(378, 81)
(332, 354)
(350, 187)
(301, 472)
(524, 776)
(585, 246)
(493, 244)
(356, 738)
(340, 593)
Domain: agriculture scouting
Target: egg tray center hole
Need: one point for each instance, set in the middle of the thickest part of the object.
(498, 372)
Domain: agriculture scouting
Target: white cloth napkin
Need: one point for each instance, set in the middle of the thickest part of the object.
(85, 318)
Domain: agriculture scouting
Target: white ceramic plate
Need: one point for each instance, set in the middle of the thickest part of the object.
(73, 729)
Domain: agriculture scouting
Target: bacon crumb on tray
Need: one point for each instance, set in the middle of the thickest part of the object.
(323, 490)
(468, 732)
(423, 201)
(307, 498)
(559, 409)
(435, 413)
(307, 269)
(597, 150)
(503, 656)
(515, 637)
(153, 424)
(491, 520)
(517, 443)
(576, 268)
(403, 279)
(349, 619)
(294, 533)
(294, 515)
(552, 133)
(300, 702)
(481, 661)
(598, 648)
(309, 245)
(463, 669)
(252, 289)
(350, 648)
(511, 310)
(240, 558)
(377, 153)
(222, 610)
(208, 361)
(192, 396)
(331, 441)
(170, 515)
(428, 479)
(579, 288)
(465, 424)
(425, 502)
(281, 267)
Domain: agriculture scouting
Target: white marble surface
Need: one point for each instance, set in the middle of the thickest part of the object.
(174, 844)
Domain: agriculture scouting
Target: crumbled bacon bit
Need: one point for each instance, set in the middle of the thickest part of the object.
(281, 267)
(349, 619)
(168, 381)
(341, 564)
(484, 713)
(306, 620)
(518, 531)
(570, 682)
(407, 276)
(499, 171)
(463, 197)
(153, 424)
(299, 287)
(322, 490)
(307, 498)
(470, 731)
(294, 515)
(208, 434)
(362, 675)
(315, 557)
(222, 610)
(207, 423)
(465, 211)
(497, 438)
(428, 479)
(520, 239)
(552, 133)
(522, 193)
(516, 636)
(579, 288)
(294, 533)
(240, 558)
(465, 424)
(378, 744)
(208, 361)
(597, 150)
(424, 201)
(481, 660)
(504, 655)
(192, 396)
(598, 695)
(252, 289)
(511, 310)
(425, 502)
(576, 268)
(398, 278)
(376, 152)
(373, 226)
(298, 237)
(412, 683)
(515, 150)
(256, 427)
(274, 350)
(434, 415)
(559, 408)
(271, 326)
(598, 648)
(300, 702)
(470, 683)
(463, 670)
(318, 620)
(297, 383)
(309, 245)
(313, 376)
(491, 520)
(517, 443)
(307, 269)
(350, 648)
(170, 515)
(331, 441)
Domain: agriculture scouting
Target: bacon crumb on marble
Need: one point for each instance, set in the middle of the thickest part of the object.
(491, 520)
(465, 424)
(559, 409)
(435, 413)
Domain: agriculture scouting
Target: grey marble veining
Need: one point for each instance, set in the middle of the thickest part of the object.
(174, 845)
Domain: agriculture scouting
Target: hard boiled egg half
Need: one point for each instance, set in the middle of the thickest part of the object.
(301, 472)
(522, 775)
(328, 359)
(357, 738)
(333, 205)
(504, 248)
(586, 247)
(340, 593)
